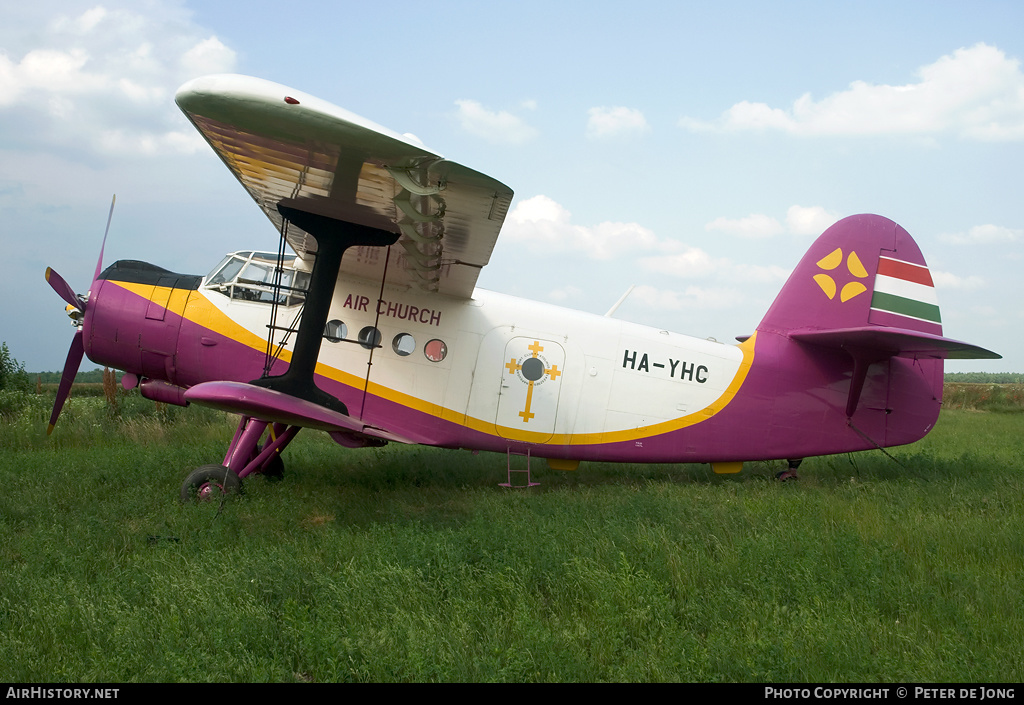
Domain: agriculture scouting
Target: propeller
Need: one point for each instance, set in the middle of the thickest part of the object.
(63, 289)
(77, 350)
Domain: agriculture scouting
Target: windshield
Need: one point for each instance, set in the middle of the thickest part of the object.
(249, 276)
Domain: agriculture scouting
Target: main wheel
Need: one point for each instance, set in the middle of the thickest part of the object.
(206, 481)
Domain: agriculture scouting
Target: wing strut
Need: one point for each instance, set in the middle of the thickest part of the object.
(333, 238)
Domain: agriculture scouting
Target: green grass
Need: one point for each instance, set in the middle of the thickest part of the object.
(411, 564)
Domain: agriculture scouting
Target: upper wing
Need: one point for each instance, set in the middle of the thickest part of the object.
(289, 148)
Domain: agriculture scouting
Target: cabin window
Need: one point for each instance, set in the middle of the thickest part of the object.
(249, 276)
(436, 350)
(403, 344)
(369, 337)
(335, 331)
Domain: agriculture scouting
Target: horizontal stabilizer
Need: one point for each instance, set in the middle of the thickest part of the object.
(894, 342)
(278, 407)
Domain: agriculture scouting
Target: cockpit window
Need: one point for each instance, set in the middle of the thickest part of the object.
(226, 270)
(249, 276)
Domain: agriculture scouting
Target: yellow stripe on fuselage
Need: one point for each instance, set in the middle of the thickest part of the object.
(632, 434)
(200, 311)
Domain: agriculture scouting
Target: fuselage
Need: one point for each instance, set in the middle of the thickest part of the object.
(501, 373)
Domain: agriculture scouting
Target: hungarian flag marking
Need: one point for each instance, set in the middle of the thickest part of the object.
(905, 289)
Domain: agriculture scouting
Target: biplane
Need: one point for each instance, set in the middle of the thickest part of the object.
(366, 322)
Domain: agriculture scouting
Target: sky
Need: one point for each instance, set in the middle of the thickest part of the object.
(692, 149)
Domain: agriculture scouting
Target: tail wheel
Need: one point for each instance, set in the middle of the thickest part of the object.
(790, 472)
(209, 481)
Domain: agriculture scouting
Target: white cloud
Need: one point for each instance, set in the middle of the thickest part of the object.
(502, 127)
(127, 143)
(208, 56)
(615, 121)
(545, 225)
(81, 80)
(755, 225)
(692, 262)
(48, 72)
(83, 24)
(800, 220)
(983, 235)
(813, 220)
(759, 274)
(566, 293)
(946, 280)
(975, 92)
(693, 297)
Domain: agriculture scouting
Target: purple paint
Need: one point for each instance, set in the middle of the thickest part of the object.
(829, 373)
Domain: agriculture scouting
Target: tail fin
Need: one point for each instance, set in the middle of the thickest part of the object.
(863, 287)
(864, 284)
(864, 270)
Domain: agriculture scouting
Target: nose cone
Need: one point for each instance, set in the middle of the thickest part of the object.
(105, 336)
(134, 317)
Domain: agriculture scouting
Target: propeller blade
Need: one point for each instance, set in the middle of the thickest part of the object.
(70, 370)
(63, 289)
(99, 262)
(77, 350)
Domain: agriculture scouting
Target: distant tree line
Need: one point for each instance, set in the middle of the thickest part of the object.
(985, 377)
(80, 378)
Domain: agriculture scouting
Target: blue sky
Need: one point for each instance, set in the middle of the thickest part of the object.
(692, 149)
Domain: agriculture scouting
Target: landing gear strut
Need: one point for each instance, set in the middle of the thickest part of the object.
(245, 456)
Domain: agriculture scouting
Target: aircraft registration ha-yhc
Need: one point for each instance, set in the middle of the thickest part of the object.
(374, 331)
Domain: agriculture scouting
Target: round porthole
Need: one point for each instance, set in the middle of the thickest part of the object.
(335, 331)
(369, 337)
(403, 344)
(436, 350)
(533, 369)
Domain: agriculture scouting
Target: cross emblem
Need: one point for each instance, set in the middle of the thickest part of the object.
(533, 369)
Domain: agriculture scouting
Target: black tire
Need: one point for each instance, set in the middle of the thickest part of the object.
(206, 481)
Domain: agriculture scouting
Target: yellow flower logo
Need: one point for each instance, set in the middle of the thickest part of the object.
(831, 261)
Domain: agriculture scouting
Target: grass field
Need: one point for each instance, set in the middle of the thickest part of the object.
(411, 564)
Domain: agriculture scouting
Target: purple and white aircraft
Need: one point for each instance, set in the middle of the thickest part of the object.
(374, 332)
